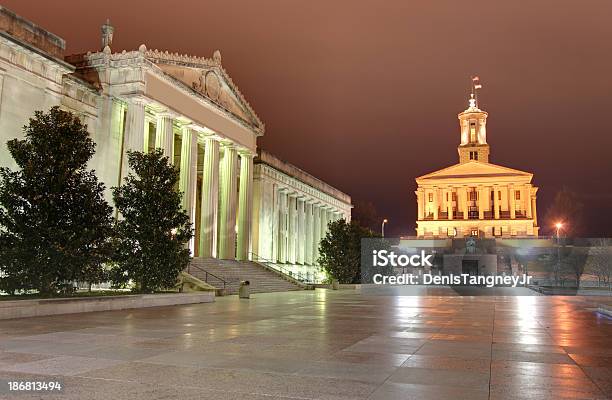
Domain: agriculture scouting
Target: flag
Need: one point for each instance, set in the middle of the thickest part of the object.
(478, 86)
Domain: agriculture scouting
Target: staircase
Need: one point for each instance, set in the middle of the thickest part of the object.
(262, 279)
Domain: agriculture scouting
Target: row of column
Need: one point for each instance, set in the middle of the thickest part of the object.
(527, 200)
(301, 224)
(224, 208)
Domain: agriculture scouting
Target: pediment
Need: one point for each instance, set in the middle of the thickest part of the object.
(475, 170)
(207, 78)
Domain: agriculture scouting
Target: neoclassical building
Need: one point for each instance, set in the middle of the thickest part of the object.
(475, 197)
(190, 108)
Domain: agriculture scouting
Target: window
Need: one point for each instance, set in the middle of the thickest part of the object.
(498, 195)
(451, 231)
(517, 195)
(473, 195)
(430, 197)
(454, 196)
(475, 155)
(474, 232)
(472, 132)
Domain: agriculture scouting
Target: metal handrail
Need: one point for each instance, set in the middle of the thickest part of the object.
(274, 265)
(206, 273)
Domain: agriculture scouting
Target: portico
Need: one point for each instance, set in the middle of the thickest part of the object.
(189, 108)
(292, 212)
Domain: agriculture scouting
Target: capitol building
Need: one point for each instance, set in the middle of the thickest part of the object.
(476, 198)
(244, 203)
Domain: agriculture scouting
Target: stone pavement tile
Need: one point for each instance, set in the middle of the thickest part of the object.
(259, 363)
(404, 391)
(591, 361)
(600, 351)
(538, 369)
(52, 348)
(441, 362)
(602, 377)
(125, 353)
(344, 370)
(455, 351)
(382, 348)
(442, 377)
(531, 348)
(519, 338)
(386, 359)
(409, 335)
(62, 365)
(550, 358)
(241, 381)
(529, 383)
(7, 358)
(190, 358)
(462, 337)
(512, 392)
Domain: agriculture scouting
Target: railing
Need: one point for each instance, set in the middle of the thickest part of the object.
(206, 274)
(298, 276)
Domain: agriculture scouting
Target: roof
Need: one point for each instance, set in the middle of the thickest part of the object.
(477, 171)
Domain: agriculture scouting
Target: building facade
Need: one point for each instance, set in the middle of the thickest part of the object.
(475, 197)
(145, 99)
(292, 212)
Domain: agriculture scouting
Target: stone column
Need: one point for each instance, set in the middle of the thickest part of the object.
(496, 201)
(449, 204)
(435, 203)
(282, 226)
(245, 205)
(528, 200)
(276, 223)
(188, 172)
(316, 228)
(210, 198)
(133, 139)
(420, 204)
(481, 201)
(292, 234)
(511, 201)
(164, 135)
(227, 202)
(308, 241)
(301, 237)
(534, 212)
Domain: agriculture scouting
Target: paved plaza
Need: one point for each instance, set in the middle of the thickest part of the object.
(321, 344)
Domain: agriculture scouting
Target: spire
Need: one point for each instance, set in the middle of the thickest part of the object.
(473, 102)
(473, 124)
(107, 34)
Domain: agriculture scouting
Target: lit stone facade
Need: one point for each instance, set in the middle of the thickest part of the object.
(144, 99)
(475, 197)
(292, 211)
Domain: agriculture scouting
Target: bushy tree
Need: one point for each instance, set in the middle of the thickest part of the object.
(152, 229)
(340, 250)
(567, 209)
(55, 225)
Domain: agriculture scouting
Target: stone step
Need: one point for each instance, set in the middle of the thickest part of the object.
(261, 279)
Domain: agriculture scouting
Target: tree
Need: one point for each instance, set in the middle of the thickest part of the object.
(599, 262)
(366, 215)
(340, 250)
(55, 224)
(153, 229)
(568, 209)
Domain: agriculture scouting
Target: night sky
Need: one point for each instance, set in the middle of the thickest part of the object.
(365, 94)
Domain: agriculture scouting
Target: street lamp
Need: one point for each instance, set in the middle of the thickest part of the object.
(558, 226)
(382, 229)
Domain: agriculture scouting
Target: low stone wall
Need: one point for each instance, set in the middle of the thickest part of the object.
(36, 308)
